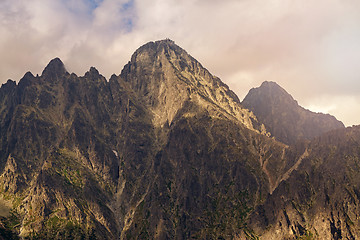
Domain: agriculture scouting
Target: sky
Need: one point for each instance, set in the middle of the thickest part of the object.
(310, 48)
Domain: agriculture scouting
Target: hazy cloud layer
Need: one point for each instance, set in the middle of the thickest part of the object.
(311, 48)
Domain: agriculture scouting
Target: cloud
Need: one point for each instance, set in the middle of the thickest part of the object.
(311, 48)
(343, 105)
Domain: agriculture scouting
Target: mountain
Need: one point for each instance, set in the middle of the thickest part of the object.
(320, 198)
(167, 78)
(165, 150)
(284, 118)
(56, 156)
(141, 155)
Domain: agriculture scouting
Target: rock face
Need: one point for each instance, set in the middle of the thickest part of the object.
(284, 118)
(167, 78)
(320, 199)
(165, 150)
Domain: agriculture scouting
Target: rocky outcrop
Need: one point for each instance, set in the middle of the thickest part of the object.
(284, 118)
(12, 178)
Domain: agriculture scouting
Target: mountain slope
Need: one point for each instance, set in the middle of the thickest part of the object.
(284, 118)
(320, 199)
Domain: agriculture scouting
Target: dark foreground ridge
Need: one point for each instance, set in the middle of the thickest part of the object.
(166, 150)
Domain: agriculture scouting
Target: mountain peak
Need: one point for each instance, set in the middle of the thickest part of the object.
(154, 49)
(54, 69)
(169, 78)
(283, 116)
(157, 43)
(275, 91)
(94, 75)
(10, 84)
(270, 84)
(166, 41)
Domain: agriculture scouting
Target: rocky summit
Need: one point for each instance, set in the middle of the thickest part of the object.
(166, 150)
(284, 118)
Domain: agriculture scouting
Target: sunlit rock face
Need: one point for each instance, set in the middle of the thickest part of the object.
(284, 118)
(165, 150)
(168, 77)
